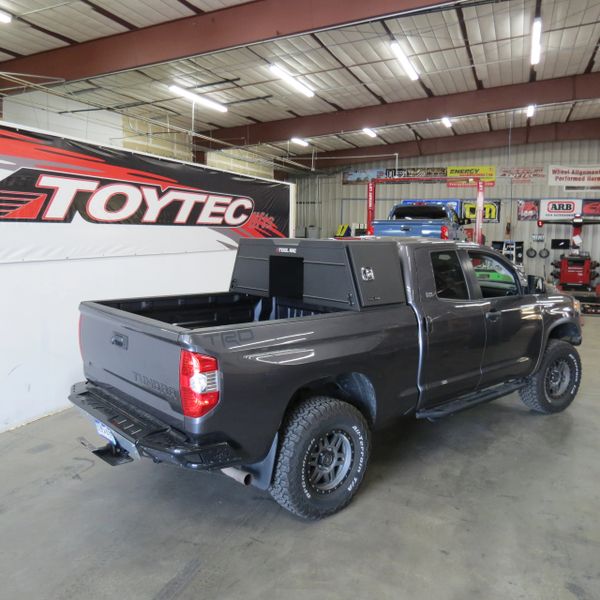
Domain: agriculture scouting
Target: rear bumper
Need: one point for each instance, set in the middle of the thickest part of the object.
(151, 438)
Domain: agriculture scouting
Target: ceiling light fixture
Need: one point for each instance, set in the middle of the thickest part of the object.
(536, 41)
(369, 132)
(291, 80)
(5, 17)
(404, 61)
(530, 111)
(299, 142)
(197, 99)
(447, 122)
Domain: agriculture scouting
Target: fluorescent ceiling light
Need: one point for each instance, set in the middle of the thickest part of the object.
(197, 99)
(299, 142)
(536, 39)
(369, 132)
(447, 122)
(404, 61)
(530, 111)
(5, 17)
(291, 80)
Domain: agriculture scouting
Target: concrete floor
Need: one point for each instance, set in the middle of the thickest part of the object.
(493, 503)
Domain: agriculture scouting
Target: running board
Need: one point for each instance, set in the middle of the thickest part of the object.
(473, 399)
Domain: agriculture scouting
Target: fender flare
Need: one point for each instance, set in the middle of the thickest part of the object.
(548, 330)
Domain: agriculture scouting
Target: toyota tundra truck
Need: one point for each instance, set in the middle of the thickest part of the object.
(281, 381)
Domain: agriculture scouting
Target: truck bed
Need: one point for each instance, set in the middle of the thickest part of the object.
(213, 310)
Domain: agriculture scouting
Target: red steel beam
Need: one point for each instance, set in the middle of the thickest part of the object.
(588, 129)
(239, 25)
(507, 97)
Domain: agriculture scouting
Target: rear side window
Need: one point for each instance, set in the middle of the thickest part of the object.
(449, 277)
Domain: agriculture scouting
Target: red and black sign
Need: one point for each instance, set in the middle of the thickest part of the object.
(48, 179)
(591, 208)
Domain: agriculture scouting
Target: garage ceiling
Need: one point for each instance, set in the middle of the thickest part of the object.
(468, 47)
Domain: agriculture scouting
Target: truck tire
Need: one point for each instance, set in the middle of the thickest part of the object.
(554, 385)
(323, 454)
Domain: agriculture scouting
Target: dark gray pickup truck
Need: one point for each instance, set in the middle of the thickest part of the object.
(280, 381)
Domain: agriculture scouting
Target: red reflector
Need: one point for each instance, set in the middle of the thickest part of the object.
(198, 383)
(444, 232)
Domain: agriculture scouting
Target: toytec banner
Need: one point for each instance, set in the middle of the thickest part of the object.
(51, 181)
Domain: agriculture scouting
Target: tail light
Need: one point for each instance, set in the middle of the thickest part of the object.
(444, 232)
(198, 383)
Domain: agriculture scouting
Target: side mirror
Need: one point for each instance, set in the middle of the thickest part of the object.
(536, 284)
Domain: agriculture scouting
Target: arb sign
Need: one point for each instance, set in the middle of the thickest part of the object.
(559, 209)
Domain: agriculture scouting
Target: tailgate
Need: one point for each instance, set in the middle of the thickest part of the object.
(135, 355)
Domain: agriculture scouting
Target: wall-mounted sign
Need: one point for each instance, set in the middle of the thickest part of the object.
(591, 208)
(527, 210)
(574, 177)
(361, 176)
(486, 173)
(522, 175)
(418, 172)
(491, 211)
(559, 209)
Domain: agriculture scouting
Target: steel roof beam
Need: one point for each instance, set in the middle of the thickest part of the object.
(236, 26)
(588, 129)
(507, 97)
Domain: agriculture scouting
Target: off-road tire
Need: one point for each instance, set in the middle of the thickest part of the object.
(537, 396)
(308, 427)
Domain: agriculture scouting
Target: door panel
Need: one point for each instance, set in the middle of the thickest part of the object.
(514, 335)
(513, 321)
(454, 339)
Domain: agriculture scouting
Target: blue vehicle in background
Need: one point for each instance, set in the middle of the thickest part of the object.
(422, 220)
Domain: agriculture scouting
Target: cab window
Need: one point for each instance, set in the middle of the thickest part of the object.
(493, 277)
(450, 280)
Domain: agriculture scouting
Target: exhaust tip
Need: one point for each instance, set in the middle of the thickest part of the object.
(238, 475)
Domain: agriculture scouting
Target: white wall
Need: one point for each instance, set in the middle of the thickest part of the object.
(324, 201)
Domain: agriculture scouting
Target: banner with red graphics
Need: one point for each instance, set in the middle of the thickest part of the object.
(59, 198)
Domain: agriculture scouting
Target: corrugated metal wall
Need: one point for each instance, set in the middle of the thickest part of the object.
(324, 202)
